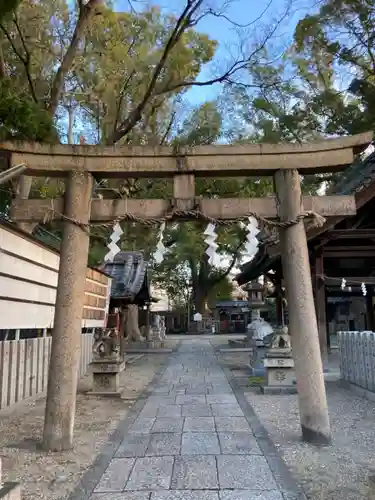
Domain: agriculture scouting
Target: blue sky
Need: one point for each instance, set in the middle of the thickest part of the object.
(240, 11)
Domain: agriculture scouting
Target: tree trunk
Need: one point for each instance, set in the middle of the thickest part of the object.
(132, 324)
(200, 300)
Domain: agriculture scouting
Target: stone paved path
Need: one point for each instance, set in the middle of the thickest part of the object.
(191, 440)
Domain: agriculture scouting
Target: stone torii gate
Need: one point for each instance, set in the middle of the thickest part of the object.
(77, 210)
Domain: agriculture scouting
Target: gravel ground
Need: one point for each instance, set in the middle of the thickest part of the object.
(53, 476)
(343, 471)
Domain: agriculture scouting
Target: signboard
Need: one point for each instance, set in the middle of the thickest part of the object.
(197, 317)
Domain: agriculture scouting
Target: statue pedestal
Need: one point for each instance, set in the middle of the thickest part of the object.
(106, 376)
(9, 491)
(279, 372)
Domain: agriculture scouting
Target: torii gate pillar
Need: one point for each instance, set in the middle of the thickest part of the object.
(66, 335)
(303, 327)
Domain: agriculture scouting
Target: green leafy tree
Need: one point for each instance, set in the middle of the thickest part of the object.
(186, 246)
(337, 43)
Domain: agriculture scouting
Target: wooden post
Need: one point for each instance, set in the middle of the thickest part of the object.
(321, 304)
(279, 299)
(148, 325)
(369, 308)
(302, 319)
(66, 335)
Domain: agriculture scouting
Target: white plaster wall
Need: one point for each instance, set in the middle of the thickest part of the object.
(16, 267)
(14, 315)
(30, 291)
(21, 315)
(17, 244)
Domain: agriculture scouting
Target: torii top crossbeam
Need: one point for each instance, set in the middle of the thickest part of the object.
(220, 160)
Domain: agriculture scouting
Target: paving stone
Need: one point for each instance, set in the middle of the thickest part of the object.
(161, 400)
(195, 473)
(116, 475)
(164, 443)
(163, 389)
(221, 399)
(134, 445)
(234, 424)
(226, 410)
(191, 399)
(190, 441)
(168, 424)
(149, 411)
(244, 472)
(128, 495)
(199, 390)
(207, 385)
(169, 411)
(151, 473)
(238, 443)
(250, 495)
(200, 443)
(192, 410)
(185, 495)
(221, 389)
(199, 424)
(142, 425)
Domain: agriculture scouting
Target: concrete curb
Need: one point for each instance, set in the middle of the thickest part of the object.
(358, 391)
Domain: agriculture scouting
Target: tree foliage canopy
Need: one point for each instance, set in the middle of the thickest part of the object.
(86, 71)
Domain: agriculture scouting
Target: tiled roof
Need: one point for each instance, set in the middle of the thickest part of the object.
(129, 275)
(356, 177)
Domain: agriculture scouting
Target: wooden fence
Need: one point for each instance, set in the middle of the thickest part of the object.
(24, 367)
(357, 358)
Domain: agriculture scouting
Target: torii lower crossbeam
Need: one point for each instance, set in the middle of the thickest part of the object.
(283, 161)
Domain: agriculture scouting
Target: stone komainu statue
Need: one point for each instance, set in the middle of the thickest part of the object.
(106, 342)
(281, 339)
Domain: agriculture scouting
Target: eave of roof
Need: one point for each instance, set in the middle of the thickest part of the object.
(261, 263)
(129, 276)
(355, 178)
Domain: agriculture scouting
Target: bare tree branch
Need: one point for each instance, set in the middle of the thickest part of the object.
(221, 15)
(168, 129)
(24, 59)
(214, 281)
(86, 12)
(182, 24)
(27, 59)
(2, 61)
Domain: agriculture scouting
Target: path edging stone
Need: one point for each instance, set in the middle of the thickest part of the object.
(91, 477)
(283, 477)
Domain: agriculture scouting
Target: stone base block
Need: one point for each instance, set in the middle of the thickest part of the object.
(106, 378)
(154, 344)
(132, 344)
(10, 491)
(280, 373)
(278, 389)
(106, 394)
